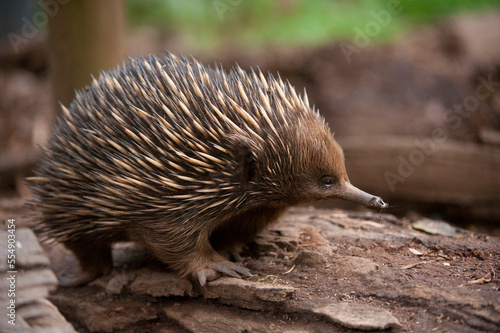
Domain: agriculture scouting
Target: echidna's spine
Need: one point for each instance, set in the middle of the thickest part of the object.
(160, 136)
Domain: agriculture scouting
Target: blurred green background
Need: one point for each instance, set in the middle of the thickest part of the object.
(208, 24)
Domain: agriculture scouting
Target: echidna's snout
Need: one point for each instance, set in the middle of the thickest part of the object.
(352, 193)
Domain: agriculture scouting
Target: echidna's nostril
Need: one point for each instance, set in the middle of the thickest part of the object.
(377, 203)
(380, 203)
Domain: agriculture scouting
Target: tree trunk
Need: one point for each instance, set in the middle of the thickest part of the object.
(85, 37)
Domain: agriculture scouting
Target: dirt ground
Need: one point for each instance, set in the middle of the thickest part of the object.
(317, 270)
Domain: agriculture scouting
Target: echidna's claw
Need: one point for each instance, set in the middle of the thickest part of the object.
(230, 268)
(226, 267)
(202, 277)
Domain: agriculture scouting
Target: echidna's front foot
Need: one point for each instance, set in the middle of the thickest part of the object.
(226, 267)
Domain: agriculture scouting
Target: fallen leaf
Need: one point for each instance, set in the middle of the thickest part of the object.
(434, 227)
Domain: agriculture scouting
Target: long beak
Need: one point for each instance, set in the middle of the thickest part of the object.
(352, 193)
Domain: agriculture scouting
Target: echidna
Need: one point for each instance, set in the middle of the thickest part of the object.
(188, 161)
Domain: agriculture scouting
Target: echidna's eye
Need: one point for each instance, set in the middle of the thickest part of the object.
(328, 181)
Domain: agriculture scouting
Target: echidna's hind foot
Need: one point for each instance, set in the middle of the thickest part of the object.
(236, 256)
(94, 260)
(78, 279)
(232, 254)
(226, 267)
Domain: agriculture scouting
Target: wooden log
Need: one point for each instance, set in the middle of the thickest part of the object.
(26, 285)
